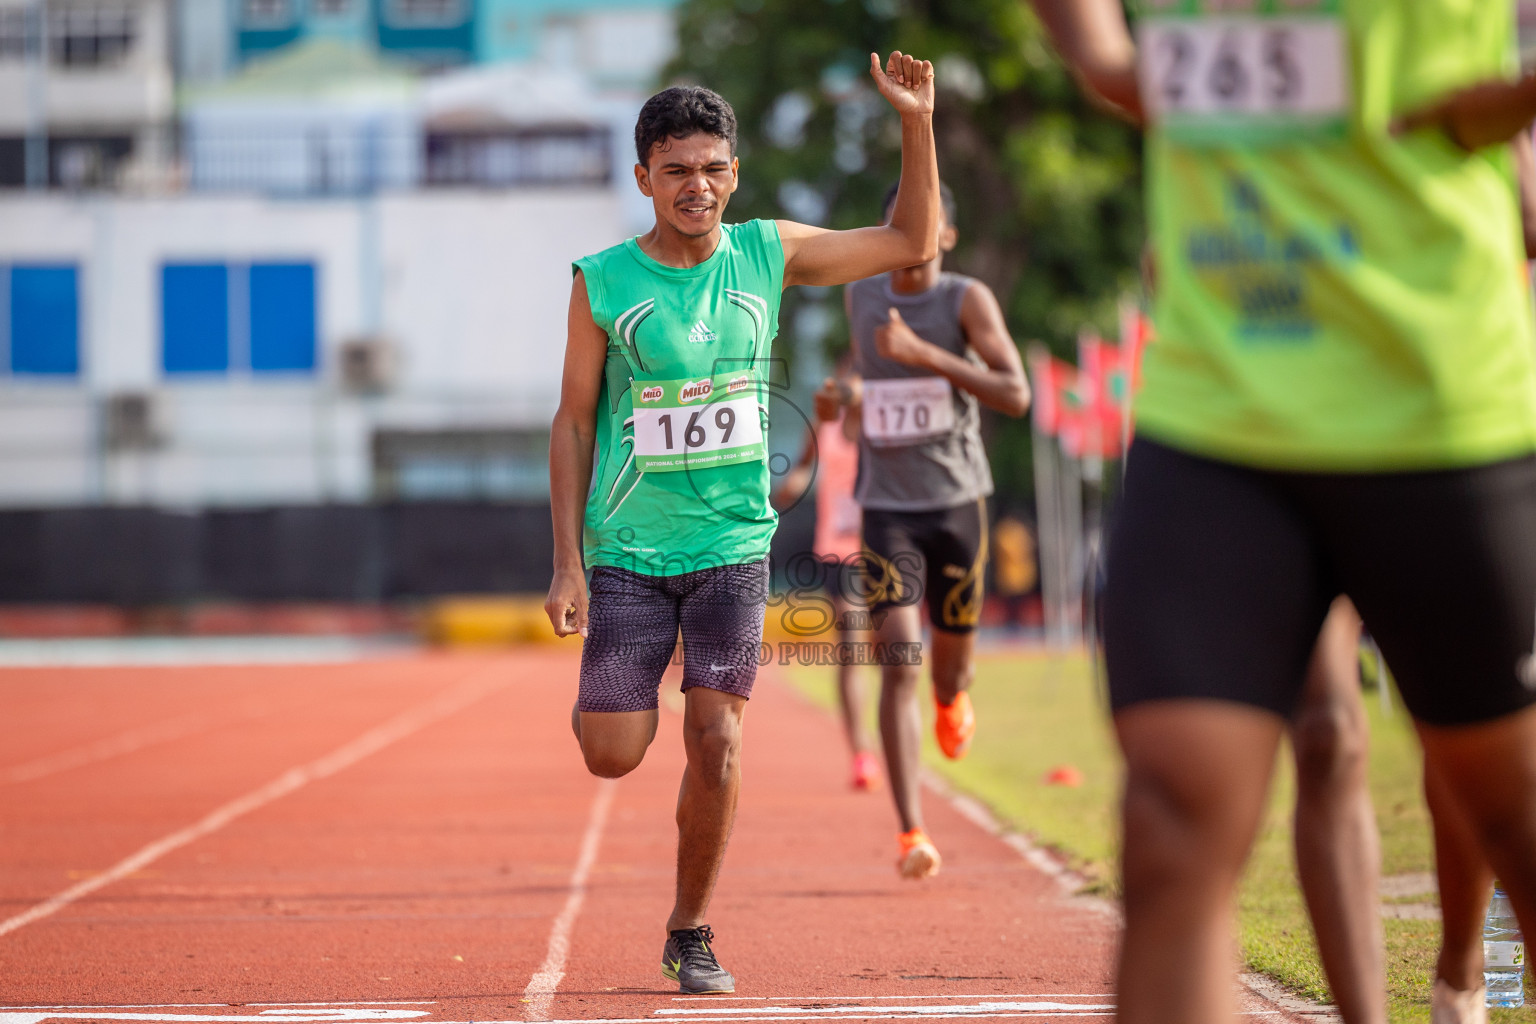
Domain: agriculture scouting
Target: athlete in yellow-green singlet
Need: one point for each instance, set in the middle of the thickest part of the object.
(1342, 400)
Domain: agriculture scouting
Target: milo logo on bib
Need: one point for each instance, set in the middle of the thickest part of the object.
(1244, 72)
(694, 390)
(655, 393)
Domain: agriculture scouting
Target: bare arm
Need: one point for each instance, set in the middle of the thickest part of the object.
(818, 256)
(572, 438)
(999, 385)
(1485, 114)
(1094, 40)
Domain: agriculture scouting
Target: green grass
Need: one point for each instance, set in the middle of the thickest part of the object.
(1038, 711)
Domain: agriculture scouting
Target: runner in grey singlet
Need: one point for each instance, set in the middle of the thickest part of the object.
(947, 470)
(923, 482)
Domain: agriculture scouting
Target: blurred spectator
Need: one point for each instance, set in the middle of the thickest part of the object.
(1015, 570)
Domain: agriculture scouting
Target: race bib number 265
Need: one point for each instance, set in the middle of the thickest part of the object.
(1264, 71)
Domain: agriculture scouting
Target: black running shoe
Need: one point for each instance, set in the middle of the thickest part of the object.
(688, 960)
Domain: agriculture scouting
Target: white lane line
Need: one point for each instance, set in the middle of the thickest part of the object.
(540, 993)
(454, 699)
(973, 810)
(123, 743)
(362, 1017)
(855, 999)
(877, 1013)
(312, 1016)
(930, 1010)
(41, 1014)
(881, 1013)
(196, 1006)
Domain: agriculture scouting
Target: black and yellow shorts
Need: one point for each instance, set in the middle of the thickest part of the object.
(939, 557)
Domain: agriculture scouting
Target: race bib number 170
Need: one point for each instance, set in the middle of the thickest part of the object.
(906, 410)
(697, 424)
(1254, 73)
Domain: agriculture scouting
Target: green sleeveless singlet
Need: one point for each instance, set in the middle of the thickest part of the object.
(1331, 297)
(681, 480)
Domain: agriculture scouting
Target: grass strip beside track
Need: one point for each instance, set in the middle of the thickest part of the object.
(1038, 710)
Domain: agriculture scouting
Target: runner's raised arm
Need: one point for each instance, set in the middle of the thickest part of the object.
(819, 256)
(1094, 41)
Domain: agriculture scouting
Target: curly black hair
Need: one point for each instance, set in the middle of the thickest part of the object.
(679, 112)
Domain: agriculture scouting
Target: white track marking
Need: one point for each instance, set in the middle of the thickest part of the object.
(313, 1016)
(125, 743)
(930, 1009)
(872, 1013)
(855, 999)
(454, 699)
(106, 652)
(37, 1015)
(540, 993)
(979, 814)
(195, 1006)
(112, 746)
(1070, 882)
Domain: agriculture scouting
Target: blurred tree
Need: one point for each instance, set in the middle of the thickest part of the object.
(1048, 188)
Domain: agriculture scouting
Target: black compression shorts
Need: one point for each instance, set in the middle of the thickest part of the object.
(1218, 578)
(632, 627)
(939, 557)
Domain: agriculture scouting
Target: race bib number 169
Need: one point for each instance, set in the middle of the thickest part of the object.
(697, 424)
(1261, 72)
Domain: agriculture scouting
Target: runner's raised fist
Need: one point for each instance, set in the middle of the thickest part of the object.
(895, 340)
(905, 82)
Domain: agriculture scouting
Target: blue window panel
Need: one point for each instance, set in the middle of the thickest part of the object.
(194, 318)
(441, 43)
(282, 317)
(45, 320)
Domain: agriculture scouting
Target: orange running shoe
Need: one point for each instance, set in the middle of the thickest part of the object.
(954, 726)
(919, 857)
(866, 771)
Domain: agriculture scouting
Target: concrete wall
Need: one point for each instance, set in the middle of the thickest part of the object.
(128, 95)
(470, 289)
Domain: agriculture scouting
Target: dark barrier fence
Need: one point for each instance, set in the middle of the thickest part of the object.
(138, 557)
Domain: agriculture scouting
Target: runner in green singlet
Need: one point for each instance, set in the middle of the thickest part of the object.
(663, 397)
(1342, 401)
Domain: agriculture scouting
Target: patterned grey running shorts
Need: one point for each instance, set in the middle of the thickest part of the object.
(632, 625)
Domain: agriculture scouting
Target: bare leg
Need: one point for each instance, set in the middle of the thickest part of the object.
(850, 695)
(1465, 881)
(706, 802)
(954, 664)
(1487, 772)
(613, 743)
(901, 720)
(1338, 850)
(1197, 773)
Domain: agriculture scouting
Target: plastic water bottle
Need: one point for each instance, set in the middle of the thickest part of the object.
(1503, 953)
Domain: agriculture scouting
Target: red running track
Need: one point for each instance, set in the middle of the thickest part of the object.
(414, 838)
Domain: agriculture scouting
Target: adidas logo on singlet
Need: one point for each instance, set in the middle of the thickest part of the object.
(701, 334)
